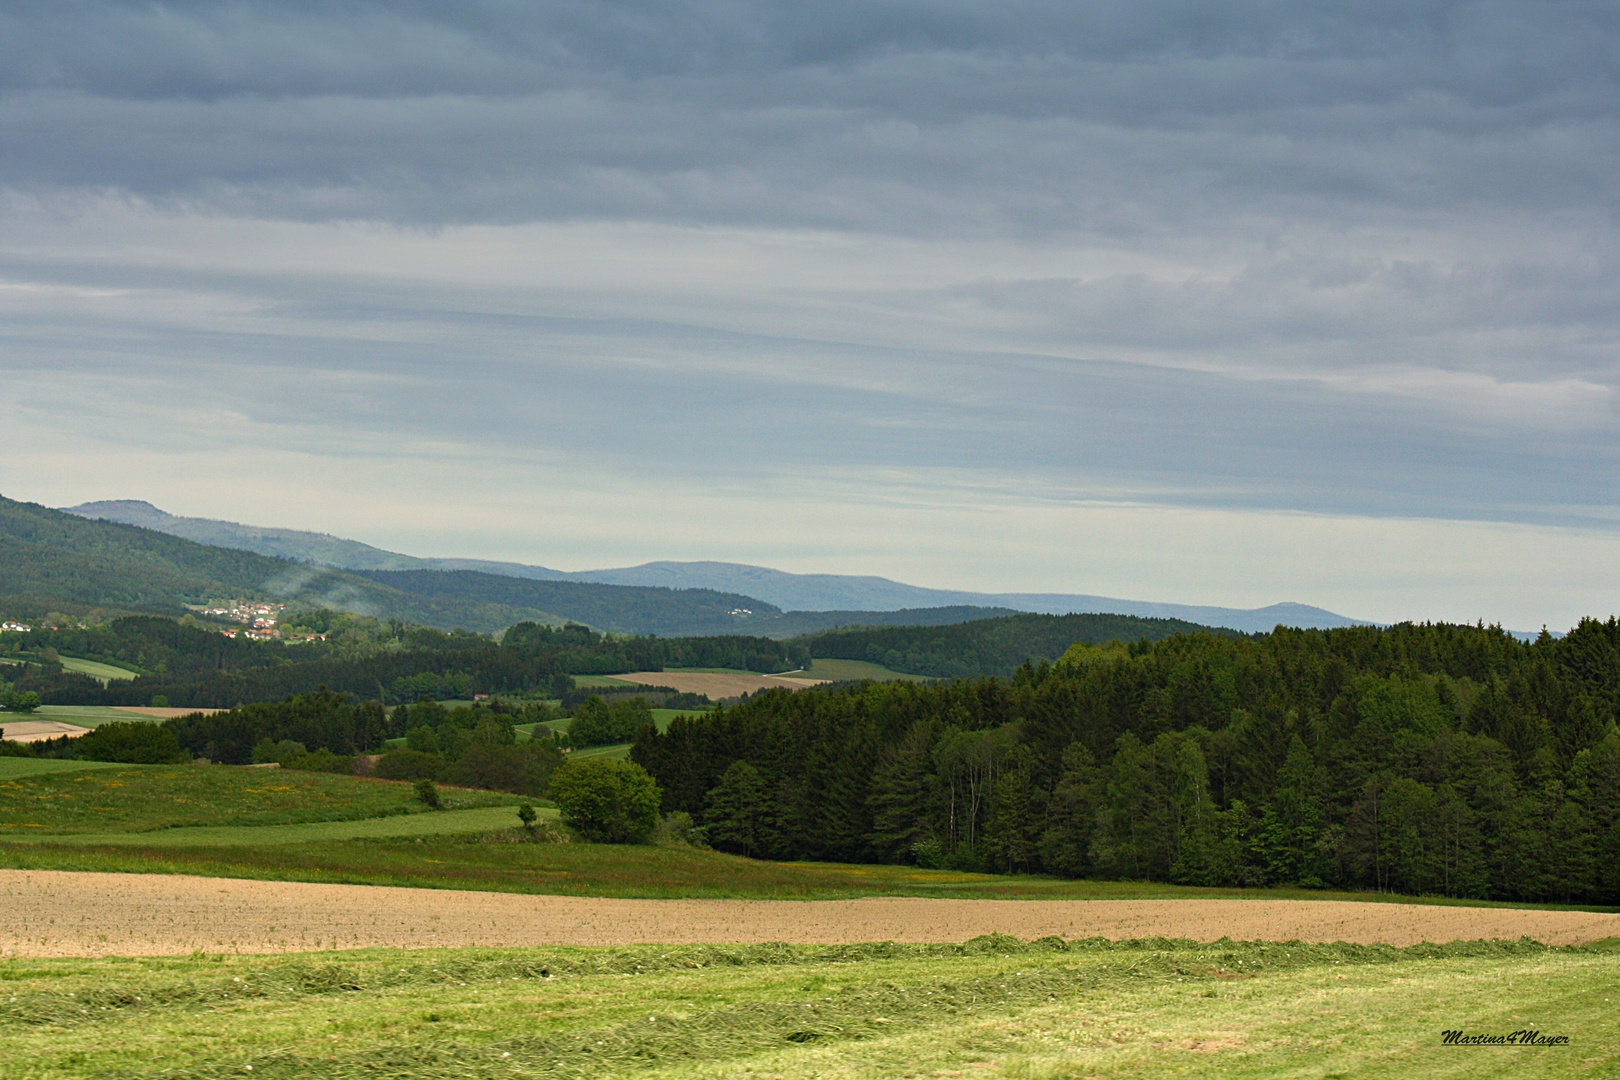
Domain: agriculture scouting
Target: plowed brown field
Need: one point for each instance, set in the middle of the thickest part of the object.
(56, 913)
(717, 685)
(38, 730)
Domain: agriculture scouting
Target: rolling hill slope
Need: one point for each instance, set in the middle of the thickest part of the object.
(51, 560)
(839, 596)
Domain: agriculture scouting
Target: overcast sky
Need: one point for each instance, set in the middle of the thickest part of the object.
(1229, 304)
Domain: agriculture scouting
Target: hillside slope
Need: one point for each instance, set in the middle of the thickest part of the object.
(624, 609)
(838, 595)
(294, 545)
(53, 561)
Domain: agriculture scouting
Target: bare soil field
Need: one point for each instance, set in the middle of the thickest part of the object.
(717, 685)
(37, 730)
(56, 913)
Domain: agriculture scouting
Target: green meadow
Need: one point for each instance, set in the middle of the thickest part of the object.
(992, 1007)
(93, 668)
(141, 798)
(88, 715)
(486, 819)
(849, 670)
(12, 768)
(501, 857)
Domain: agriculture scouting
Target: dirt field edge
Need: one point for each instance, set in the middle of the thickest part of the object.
(67, 913)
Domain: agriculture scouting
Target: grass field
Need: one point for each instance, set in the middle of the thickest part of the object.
(87, 715)
(140, 798)
(993, 1007)
(580, 869)
(614, 750)
(844, 670)
(12, 768)
(95, 669)
(448, 823)
(92, 668)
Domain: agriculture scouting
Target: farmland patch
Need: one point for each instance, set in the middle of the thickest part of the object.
(718, 685)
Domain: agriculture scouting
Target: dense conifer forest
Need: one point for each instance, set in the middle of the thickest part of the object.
(994, 646)
(1438, 759)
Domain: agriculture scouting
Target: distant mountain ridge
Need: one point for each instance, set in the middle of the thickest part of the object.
(51, 560)
(792, 593)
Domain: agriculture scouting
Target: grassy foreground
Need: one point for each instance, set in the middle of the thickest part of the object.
(993, 1007)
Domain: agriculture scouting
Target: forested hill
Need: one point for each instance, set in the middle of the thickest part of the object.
(1451, 760)
(646, 609)
(52, 561)
(989, 646)
(190, 667)
(623, 609)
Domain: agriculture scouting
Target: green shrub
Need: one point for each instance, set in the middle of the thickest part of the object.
(677, 830)
(14, 749)
(929, 853)
(597, 723)
(429, 794)
(321, 760)
(135, 743)
(19, 701)
(281, 752)
(405, 764)
(522, 769)
(607, 799)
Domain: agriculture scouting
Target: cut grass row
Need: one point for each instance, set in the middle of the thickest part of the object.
(993, 1007)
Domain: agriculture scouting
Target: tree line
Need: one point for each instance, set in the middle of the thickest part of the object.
(193, 667)
(995, 646)
(1440, 759)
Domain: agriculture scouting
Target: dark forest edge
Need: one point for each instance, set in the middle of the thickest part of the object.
(1448, 760)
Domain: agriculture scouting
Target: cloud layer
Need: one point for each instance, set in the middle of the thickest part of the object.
(1350, 260)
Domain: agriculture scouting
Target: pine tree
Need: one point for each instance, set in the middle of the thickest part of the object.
(737, 809)
(899, 798)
